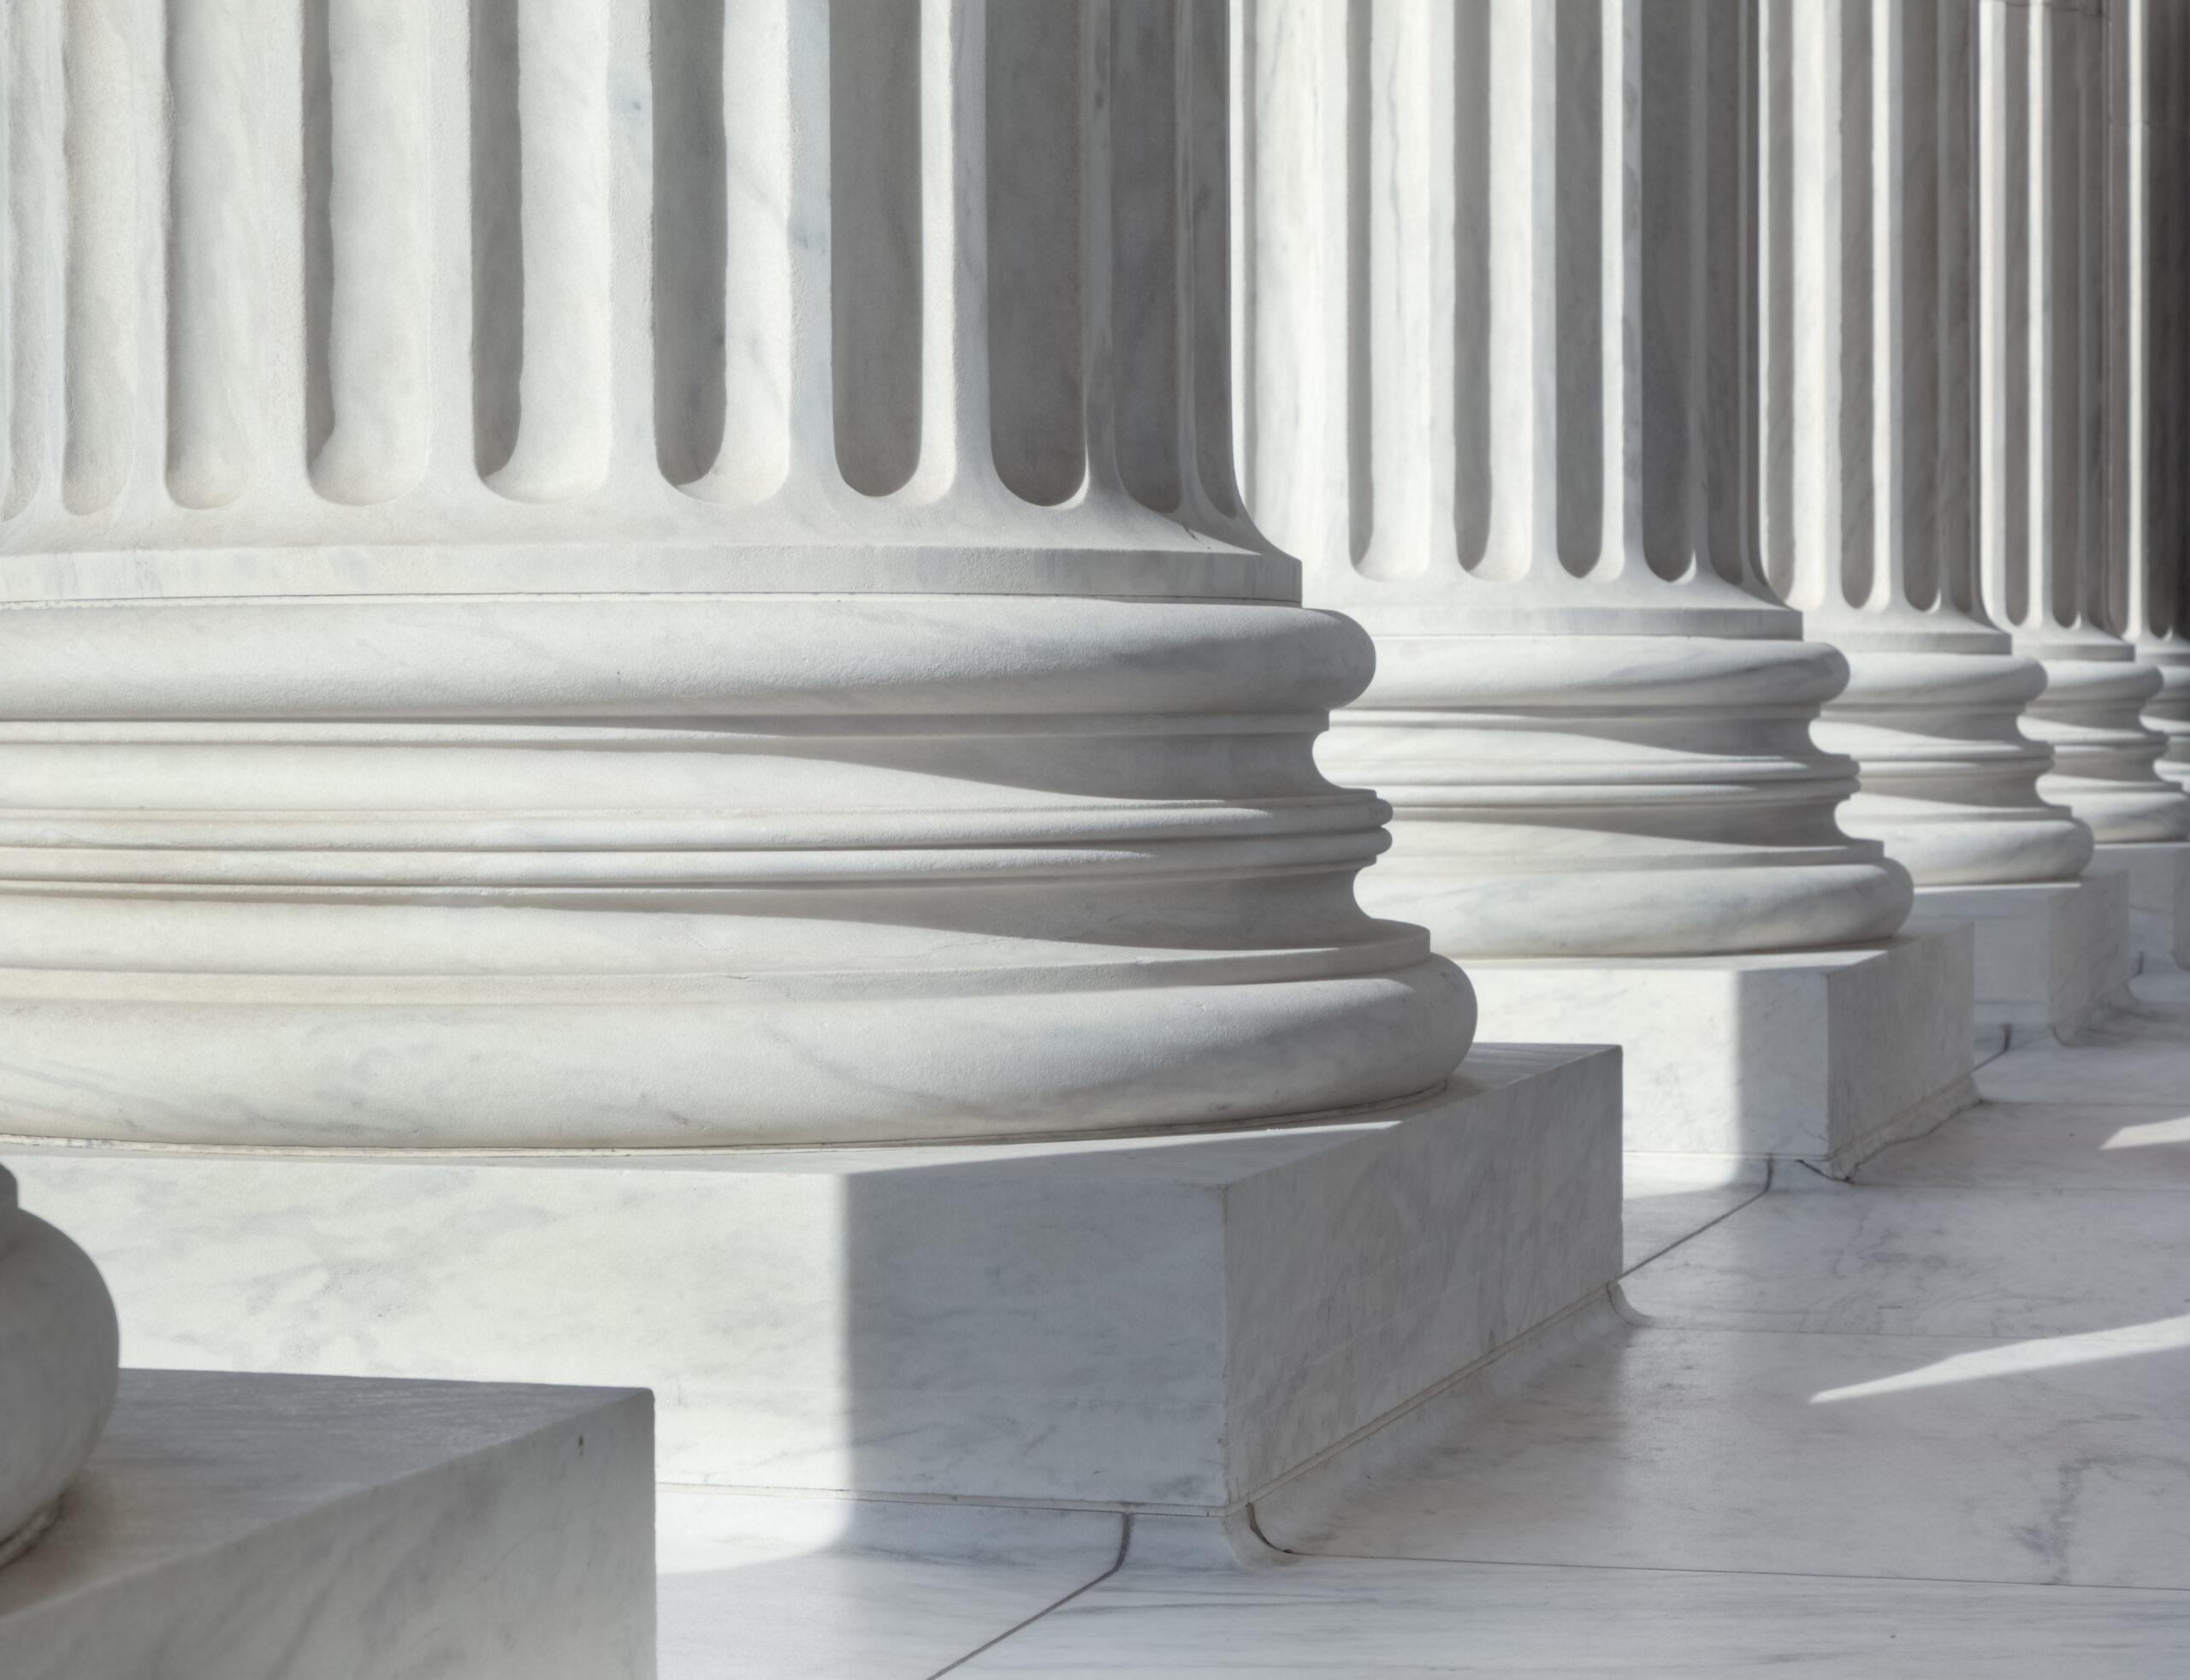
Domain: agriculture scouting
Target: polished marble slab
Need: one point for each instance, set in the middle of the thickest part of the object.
(1666, 1199)
(245, 1527)
(868, 1591)
(2131, 1073)
(1350, 1619)
(1929, 1262)
(1814, 1454)
(2051, 1146)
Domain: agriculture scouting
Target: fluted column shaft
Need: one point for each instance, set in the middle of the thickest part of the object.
(1869, 422)
(1497, 291)
(2042, 456)
(2148, 343)
(590, 573)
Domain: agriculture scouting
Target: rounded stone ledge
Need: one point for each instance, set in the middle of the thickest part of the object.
(60, 1353)
(2105, 759)
(1614, 796)
(1949, 782)
(905, 658)
(1520, 677)
(1941, 844)
(2168, 713)
(1605, 909)
(620, 1072)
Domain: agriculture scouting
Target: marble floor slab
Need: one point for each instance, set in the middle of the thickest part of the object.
(1663, 1203)
(1386, 1620)
(2045, 1145)
(2094, 1076)
(1904, 1457)
(836, 1614)
(757, 1589)
(1929, 1262)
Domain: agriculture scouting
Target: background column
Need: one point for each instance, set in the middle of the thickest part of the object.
(2149, 351)
(2148, 416)
(1499, 299)
(2042, 468)
(1869, 434)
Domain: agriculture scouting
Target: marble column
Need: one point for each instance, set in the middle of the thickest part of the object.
(2148, 343)
(2042, 464)
(59, 1354)
(1498, 304)
(1500, 339)
(600, 594)
(1869, 434)
(582, 573)
(2147, 393)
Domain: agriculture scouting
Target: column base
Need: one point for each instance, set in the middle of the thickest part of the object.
(251, 1525)
(1825, 1057)
(2048, 952)
(1169, 1323)
(2159, 897)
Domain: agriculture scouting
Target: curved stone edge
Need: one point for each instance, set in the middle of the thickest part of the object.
(60, 1360)
(13, 1546)
(567, 1075)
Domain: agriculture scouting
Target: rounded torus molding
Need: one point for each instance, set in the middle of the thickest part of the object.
(59, 1354)
(1613, 796)
(1949, 778)
(586, 871)
(2168, 713)
(2104, 758)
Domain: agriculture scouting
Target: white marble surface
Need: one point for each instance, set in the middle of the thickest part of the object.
(1934, 1262)
(1665, 1201)
(1340, 1619)
(1713, 1450)
(871, 1591)
(2159, 897)
(1821, 1055)
(2062, 1145)
(249, 1526)
(2046, 954)
(1172, 1321)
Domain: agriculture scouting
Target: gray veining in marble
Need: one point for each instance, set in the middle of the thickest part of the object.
(259, 1528)
(1710, 1450)
(1928, 1262)
(2066, 1146)
(1413, 1621)
(874, 1590)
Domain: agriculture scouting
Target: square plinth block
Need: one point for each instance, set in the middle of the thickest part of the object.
(2048, 954)
(2160, 898)
(247, 1527)
(1172, 1321)
(1823, 1057)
